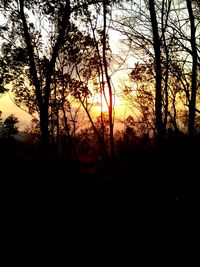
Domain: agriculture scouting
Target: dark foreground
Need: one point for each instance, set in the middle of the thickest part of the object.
(140, 210)
(112, 215)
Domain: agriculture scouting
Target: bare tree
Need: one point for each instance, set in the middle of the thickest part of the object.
(158, 70)
(59, 15)
(192, 104)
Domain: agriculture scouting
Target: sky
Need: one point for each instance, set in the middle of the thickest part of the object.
(8, 107)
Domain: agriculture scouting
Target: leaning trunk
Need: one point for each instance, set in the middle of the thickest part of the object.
(38, 91)
(110, 105)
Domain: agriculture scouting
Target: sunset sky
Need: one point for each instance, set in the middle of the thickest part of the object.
(7, 106)
(127, 54)
(119, 79)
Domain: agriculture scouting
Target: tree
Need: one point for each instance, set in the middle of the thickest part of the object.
(143, 36)
(192, 104)
(2, 87)
(158, 71)
(100, 36)
(37, 55)
(31, 46)
(183, 26)
(141, 99)
(166, 37)
(110, 90)
(8, 127)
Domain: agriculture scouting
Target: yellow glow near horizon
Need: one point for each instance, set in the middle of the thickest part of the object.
(116, 103)
(8, 107)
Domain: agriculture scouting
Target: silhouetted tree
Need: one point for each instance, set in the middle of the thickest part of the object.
(141, 98)
(100, 37)
(183, 26)
(144, 38)
(158, 70)
(192, 104)
(29, 46)
(162, 36)
(38, 56)
(8, 127)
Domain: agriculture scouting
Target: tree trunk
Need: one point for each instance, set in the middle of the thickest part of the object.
(43, 100)
(192, 103)
(38, 91)
(158, 71)
(110, 106)
(44, 130)
(165, 13)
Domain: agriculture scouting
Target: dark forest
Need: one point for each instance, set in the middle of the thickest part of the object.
(82, 170)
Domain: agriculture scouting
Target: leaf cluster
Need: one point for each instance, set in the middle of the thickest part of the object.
(8, 127)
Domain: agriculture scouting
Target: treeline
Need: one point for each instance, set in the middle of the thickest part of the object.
(56, 57)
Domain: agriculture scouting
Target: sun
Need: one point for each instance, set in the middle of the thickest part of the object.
(101, 104)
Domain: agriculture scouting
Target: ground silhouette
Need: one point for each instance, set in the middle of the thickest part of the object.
(112, 210)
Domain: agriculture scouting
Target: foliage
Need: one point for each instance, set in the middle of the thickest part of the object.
(140, 97)
(8, 127)
(56, 55)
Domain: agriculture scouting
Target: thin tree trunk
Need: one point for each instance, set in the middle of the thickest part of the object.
(43, 101)
(192, 103)
(158, 70)
(174, 116)
(44, 129)
(164, 26)
(102, 148)
(65, 121)
(110, 107)
(33, 72)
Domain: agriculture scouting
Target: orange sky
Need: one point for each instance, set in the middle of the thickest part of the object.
(8, 107)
